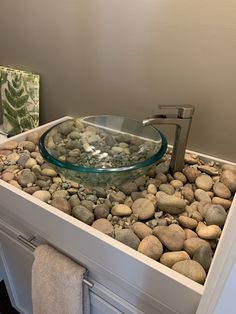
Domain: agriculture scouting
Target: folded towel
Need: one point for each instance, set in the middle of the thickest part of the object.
(57, 286)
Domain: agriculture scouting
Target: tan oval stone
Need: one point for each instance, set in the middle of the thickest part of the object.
(228, 177)
(30, 163)
(151, 247)
(190, 233)
(221, 201)
(191, 269)
(141, 230)
(42, 195)
(8, 176)
(152, 189)
(204, 182)
(121, 210)
(202, 196)
(209, 232)
(170, 204)
(172, 236)
(180, 176)
(177, 184)
(187, 222)
(49, 172)
(9, 145)
(170, 258)
(221, 190)
(192, 244)
(104, 226)
(144, 208)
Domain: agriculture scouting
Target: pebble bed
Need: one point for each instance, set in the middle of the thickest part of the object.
(175, 219)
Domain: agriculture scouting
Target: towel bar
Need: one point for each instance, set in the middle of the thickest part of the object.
(28, 243)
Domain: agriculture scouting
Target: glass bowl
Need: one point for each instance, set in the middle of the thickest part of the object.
(102, 150)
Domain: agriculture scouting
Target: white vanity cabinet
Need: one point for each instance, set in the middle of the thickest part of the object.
(124, 280)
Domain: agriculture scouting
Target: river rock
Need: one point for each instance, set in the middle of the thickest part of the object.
(212, 171)
(61, 204)
(172, 236)
(104, 226)
(60, 193)
(84, 214)
(215, 215)
(33, 137)
(167, 188)
(180, 176)
(118, 197)
(202, 196)
(15, 184)
(9, 145)
(151, 247)
(170, 204)
(204, 182)
(192, 244)
(26, 177)
(30, 163)
(31, 189)
(170, 258)
(88, 204)
(191, 159)
(189, 233)
(187, 222)
(221, 201)
(221, 190)
(203, 255)
(191, 269)
(121, 210)
(128, 237)
(30, 146)
(101, 211)
(161, 177)
(74, 200)
(188, 194)
(44, 196)
(141, 230)
(7, 176)
(128, 187)
(191, 173)
(177, 184)
(49, 172)
(152, 189)
(209, 232)
(144, 208)
(229, 167)
(228, 177)
(13, 157)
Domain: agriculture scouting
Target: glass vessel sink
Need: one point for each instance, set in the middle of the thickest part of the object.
(102, 150)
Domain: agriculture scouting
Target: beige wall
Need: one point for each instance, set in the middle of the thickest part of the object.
(125, 57)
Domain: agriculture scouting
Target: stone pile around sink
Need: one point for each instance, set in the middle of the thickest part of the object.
(175, 219)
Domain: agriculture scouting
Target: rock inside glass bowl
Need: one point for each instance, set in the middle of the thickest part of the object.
(102, 150)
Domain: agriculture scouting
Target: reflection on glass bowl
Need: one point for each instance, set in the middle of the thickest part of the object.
(102, 150)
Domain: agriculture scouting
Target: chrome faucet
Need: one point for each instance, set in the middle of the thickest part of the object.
(182, 120)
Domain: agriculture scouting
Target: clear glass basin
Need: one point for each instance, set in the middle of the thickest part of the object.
(102, 150)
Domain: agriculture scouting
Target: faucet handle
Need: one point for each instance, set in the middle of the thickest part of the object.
(183, 111)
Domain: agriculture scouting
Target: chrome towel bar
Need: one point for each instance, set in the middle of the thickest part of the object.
(28, 243)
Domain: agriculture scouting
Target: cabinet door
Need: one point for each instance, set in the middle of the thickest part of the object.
(16, 263)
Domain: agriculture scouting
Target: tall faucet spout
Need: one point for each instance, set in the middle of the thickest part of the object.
(182, 120)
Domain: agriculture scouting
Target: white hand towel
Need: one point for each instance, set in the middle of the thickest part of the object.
(57, 286)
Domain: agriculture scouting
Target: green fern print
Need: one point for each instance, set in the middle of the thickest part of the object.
(20, 100)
